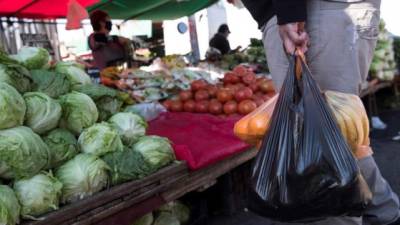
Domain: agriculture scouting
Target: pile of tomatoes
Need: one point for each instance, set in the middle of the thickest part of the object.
(240, 92)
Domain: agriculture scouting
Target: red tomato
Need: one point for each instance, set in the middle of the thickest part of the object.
(249, 78)
(167, 104)
(185, 95)
(247, 106)
(248, 92)
(230, 107)
(202, 106)
(189, 106)
(253, 86)
(198, 85)
(176, 106)
(215, 107)
(266, 86)
(224, 95)
(201, 95)
(240, 70)
(212, 90)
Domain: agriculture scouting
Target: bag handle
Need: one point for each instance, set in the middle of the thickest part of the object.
(300, 58)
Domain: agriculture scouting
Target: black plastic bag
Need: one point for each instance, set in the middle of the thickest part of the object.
(305, 170)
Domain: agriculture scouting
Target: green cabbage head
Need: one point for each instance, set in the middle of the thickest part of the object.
(9, 206)
(38, 195)
(62, 146)
(22, 153)
(12, 107)
(16, 76)
(100, 139)
(78, 112)
(42, 112)
(156, 151)
(82, 176)
(33, 58)
(75, 73)
(145, 220)
(130, 126)
(51, 83)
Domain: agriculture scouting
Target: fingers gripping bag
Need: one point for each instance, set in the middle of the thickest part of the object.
(305, 170)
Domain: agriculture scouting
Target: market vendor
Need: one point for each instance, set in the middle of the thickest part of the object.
(107, 50)
(220, 40)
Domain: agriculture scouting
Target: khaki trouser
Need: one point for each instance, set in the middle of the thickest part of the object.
(343, 36)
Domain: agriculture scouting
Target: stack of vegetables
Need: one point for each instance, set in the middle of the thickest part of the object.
(152, 84)
(383, 65)
(173, 213)
(63, 138)
(256, 55)
(240, 92)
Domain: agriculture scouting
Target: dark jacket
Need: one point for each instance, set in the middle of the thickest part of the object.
(220, 42)
(106, 50)
(287, 11)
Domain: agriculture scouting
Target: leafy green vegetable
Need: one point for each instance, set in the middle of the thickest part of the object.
(126, 165)
(100, 139)
(166, 218)
(157, 152)
(12, 107)
(181, 211)
(9, 206)
(130, 126)
(62, 146)
(42, 112)
(78, 112)
(75, 73)
(82, 176)
(51, 83)
(38, 195)
(108, 101)
(33, 58)
(14, 74)
(22, 153)
(145, 220)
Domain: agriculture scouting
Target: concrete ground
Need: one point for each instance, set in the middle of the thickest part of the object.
(387, 155)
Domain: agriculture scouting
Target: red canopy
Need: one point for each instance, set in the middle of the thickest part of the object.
(38, 9)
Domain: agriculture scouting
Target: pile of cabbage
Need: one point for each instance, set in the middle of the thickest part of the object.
(63, 138)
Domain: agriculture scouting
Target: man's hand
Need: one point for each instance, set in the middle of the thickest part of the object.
(363, 152)
(294, 36)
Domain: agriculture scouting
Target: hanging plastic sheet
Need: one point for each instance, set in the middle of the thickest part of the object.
(305, 170)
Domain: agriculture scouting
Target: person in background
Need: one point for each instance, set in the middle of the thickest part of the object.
(107, 50)
(220, 40)
(339, 37)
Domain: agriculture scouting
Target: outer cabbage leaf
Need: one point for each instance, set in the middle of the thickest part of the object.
(51, 83)
(42, 112)
(130, 126)
(33, 58)
(75, 74)
(9, 206)
(12, 107)
(78, 112)
(38, 195)
(22, 153)
(62, 146)
(82, 176)
(100, 139)
(14, 74)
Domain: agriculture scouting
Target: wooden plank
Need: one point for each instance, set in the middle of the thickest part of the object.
(197, 179)
(131, 201)
(73, 210)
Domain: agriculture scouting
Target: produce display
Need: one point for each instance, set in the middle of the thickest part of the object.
(63, 138)
(152, 83)
(240, 92)
(172, 213)
(383, 64)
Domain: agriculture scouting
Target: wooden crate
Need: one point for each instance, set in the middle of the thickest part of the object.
(104, 204)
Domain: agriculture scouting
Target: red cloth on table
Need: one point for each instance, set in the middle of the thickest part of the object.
(199, 139)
